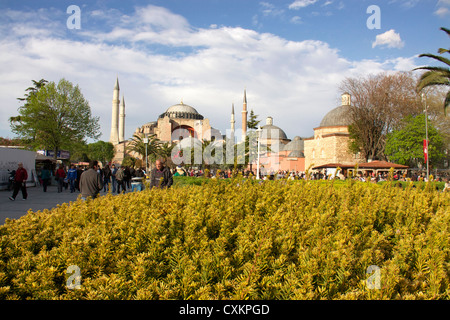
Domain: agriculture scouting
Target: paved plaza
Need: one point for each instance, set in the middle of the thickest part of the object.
(37, 200)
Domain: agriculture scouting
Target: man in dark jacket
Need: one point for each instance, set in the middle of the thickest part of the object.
(91, 182)
(20, 181)
(161, 176)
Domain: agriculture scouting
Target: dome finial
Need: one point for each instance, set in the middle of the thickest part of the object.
(181, 101)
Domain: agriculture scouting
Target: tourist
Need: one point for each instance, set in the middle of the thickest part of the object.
(113, 178)
(447, 185)
(45, 176)
(20, 182)
(72, 177)
(59, 176)
(120, 174)
(161, 176)
(91, 182)
(180, 172)
(106, 178)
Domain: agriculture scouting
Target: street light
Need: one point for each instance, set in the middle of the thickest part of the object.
(424, 99)
(259, 146)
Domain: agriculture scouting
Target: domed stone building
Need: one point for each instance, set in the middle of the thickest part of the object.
(177, 122)
(331, 138)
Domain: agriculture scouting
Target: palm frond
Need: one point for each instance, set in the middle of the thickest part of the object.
(446, 30)
(432, 78)
(433, 56)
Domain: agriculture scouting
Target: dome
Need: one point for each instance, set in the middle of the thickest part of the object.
(295, 145)
(268, 130)
(340, 116)
(182, 111)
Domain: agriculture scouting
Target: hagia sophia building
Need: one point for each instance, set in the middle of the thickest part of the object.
(328, 145)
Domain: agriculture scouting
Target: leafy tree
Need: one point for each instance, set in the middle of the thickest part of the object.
(436, 76)
(379, 103)
(252, 122)
(101, 151)
(405, 146)
(54, 117)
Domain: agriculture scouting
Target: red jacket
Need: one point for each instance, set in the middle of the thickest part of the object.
(21, 175)
(60, 173)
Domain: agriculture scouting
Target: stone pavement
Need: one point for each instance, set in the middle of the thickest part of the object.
(37, 200)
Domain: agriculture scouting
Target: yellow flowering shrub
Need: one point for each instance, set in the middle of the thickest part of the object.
(242, 239)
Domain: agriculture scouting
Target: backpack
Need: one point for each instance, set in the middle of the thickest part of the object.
(119, 174)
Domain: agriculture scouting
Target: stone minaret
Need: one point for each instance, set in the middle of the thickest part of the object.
(122, 120)
(232, 121)
(114, 138)
(244, 117)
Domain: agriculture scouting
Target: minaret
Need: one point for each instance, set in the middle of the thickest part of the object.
(244, 117)
(232, 121)
(122, 120)
(114, 138)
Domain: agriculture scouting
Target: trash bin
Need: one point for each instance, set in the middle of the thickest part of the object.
(137, 183)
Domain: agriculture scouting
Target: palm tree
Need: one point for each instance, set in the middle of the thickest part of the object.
(138, 146)
(436, 76)
(165, 152)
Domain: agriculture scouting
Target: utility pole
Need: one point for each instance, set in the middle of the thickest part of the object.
(424, 98)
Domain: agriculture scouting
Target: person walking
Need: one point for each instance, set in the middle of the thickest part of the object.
(113, 178)
(91, 182)
(106, 178)
(72, 177)
(161, 177)
(45, 176)
(20, 181)
(120, 175)
(59, 176)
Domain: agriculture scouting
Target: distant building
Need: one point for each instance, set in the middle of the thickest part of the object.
(331, 138)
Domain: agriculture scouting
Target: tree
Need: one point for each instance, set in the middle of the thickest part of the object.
(436, 76)
(405, 145)
(379, 103)
(137, 145)
(252, 122)
(101, 151)
(54, 117)
(165, 152)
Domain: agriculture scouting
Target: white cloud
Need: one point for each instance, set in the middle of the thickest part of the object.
(298, 4)
(390, 39)
(443, 8)
(293, 81)
(296, 20)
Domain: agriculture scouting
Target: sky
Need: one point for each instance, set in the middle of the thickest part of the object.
(290, 56)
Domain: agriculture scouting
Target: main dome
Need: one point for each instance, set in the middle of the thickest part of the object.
(182, 111)
(340, 116)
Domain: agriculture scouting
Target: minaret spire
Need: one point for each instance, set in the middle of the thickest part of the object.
(114, 137)
(232, 121)
(244, 116)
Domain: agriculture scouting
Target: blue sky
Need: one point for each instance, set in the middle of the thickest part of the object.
(290, 56)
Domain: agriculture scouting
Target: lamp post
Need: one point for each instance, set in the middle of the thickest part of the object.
(259, 146)
(146, 161)
(424, 99)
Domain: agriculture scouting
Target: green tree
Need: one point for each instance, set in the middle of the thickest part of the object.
(252, 122)
(138, 146)
(54, 117)
(405, 146)
(436, 76)
(101, 151)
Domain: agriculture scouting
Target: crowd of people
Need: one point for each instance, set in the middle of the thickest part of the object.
(90, 181)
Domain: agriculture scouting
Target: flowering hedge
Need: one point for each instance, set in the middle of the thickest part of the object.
(235, 240)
